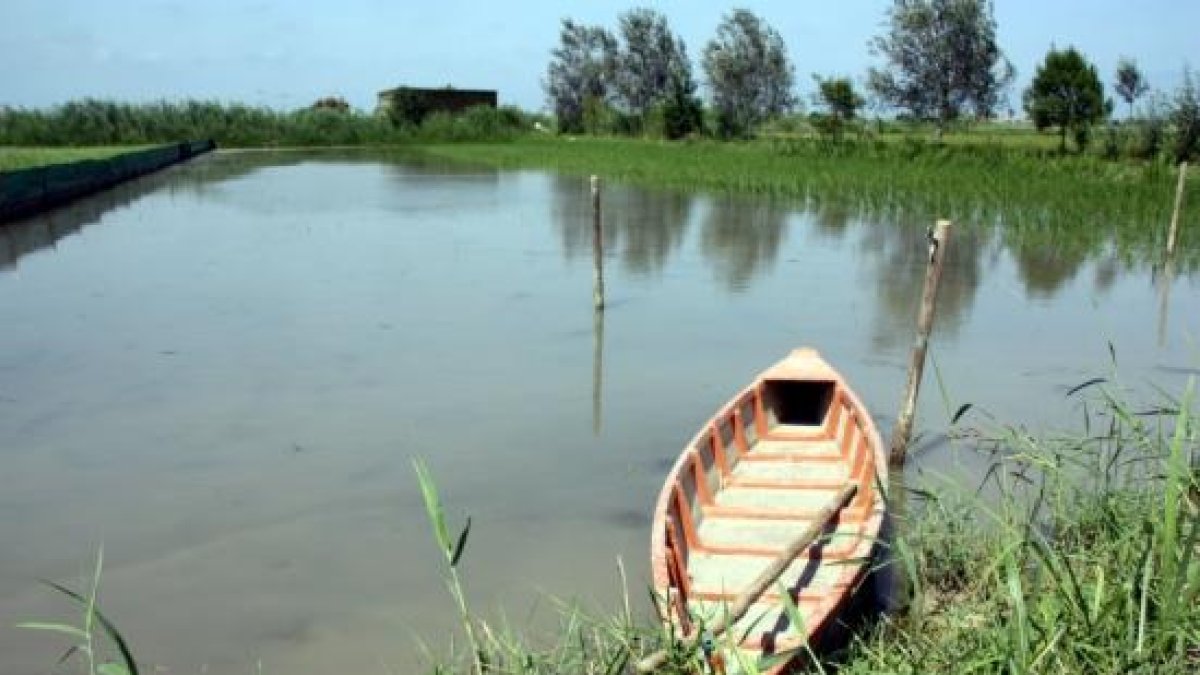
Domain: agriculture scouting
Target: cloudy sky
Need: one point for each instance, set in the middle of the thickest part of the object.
(286, 54)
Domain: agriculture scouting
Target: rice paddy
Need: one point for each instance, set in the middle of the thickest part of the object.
(1071, 202)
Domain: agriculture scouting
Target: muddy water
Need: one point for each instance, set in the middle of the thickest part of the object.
(222, 374)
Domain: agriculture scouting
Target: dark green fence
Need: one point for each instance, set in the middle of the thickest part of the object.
(28, 191)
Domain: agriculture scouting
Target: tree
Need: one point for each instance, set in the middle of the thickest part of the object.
(1066, 92)
(748, 72)
(580, 76)
(334, 103)
(682, 111)
(941, 60)
(1185, 116)
(836, 95)
(1130, 84)
(650, 61)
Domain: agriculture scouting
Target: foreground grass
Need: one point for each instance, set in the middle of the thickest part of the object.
(1035, 195)
(12, 158)
(1088, 561)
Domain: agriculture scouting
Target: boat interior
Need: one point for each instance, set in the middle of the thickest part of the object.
(752, 481)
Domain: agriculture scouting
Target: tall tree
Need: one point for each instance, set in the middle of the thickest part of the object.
(748, 73)
(650, 57)
(942, 59)
(581, 73)
(1130, 84)
(683, 113)
(1066, 92)
(1185, 115)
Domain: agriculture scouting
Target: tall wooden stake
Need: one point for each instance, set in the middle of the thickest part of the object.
(1178, 207)
(597, 247)
(916, 366)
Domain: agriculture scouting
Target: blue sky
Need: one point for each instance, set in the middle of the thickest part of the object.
(287, 54)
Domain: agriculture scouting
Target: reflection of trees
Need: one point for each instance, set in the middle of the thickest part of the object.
(1107, 271)
(902, 253)
(643, 226)
(1045, 269)
(742, 238)
(831, 220)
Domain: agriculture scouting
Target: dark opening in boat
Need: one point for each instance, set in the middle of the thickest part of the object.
(801, 403)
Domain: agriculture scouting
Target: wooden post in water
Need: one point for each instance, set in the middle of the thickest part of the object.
(597, 247)
(933, 274)
(1178, 207)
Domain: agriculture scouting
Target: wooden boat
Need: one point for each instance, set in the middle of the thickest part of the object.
(757, 475)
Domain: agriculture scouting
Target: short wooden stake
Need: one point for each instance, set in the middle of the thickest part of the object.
(916, 367)
(597, 247)
(1178, 207)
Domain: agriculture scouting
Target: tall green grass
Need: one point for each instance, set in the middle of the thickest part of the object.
(1088, 561)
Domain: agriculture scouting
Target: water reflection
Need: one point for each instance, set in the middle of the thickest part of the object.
(30, 235)
(642, 229)
(899, 256)
(597, 371)
(741, 239)
(1044, 270)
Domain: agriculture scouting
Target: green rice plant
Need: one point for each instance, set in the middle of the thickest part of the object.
(85, 635)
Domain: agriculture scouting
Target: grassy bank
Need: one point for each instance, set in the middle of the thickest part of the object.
(1087, 561)
(12, 158)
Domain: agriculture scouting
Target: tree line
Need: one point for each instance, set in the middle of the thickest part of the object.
(939, 62)
(328, 121)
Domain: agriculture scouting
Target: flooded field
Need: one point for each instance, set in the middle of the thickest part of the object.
(223, 372)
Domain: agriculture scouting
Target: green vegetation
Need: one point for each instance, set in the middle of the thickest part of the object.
(941, 60)
(93, 626)
(1079, 203)
(23, 158)
(1089, 562)
(1066, 93)
(92, 122)
(749, 74)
